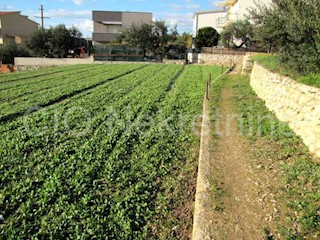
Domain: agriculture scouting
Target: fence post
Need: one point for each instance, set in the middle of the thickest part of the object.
(207, 91)
(222, 69)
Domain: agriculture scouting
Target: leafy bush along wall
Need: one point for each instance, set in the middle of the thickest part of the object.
(292, 102)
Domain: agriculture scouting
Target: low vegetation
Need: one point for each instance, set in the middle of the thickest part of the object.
(108, 152)
(301, 174)
(273, 63)
(11, 50)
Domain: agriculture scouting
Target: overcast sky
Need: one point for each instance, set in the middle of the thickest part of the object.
(79, 12)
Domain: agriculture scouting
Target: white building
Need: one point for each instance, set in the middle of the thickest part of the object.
(231, 10)
(207, 19)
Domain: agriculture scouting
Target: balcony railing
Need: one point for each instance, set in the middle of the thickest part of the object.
(222, 21)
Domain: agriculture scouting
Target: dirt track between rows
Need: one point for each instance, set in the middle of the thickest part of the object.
(244, 205)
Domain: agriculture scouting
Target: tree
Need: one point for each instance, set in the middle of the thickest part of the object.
(39, 42)
(268, 27)
(137, 35)
(61, 40)
(185, 39)
(160, 36)
(238, 34)
(152, 37)
(55, 41)
(207, 37)
(75, 32)
(292, 28)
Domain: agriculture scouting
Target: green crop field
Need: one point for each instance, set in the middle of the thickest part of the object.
(93, 151)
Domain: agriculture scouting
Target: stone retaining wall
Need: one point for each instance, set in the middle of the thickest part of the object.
(215, 59)
(292, 102)
(220, 59)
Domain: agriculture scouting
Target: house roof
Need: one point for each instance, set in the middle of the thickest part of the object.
(209, 11)
(7, 13)
(17, 12)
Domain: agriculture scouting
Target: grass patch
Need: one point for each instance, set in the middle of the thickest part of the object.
(310, 79)
(215, 97)
(273, 63)
(269, 61)
(301, 175)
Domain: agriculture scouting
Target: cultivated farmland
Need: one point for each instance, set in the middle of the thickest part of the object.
(97, 151)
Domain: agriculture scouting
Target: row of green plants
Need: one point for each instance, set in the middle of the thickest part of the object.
(20, 102)
(183, 107)
(93, 165)
(98, 102)
(28, 74)
(31, 85)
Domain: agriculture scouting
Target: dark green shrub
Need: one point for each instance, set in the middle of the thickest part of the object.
(207, 37)
(11, 50)
(292, 28)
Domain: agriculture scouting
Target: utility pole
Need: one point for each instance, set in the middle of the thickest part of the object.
(41, 16)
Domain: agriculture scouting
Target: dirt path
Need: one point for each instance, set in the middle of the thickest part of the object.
(244, 205)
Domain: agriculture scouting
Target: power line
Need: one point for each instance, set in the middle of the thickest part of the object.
(41, 16)
(4, 8)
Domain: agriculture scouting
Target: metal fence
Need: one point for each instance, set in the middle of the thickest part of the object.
(118, 53)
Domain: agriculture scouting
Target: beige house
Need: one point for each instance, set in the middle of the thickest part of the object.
(231, 10)
(15, 27)
(107, 25)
